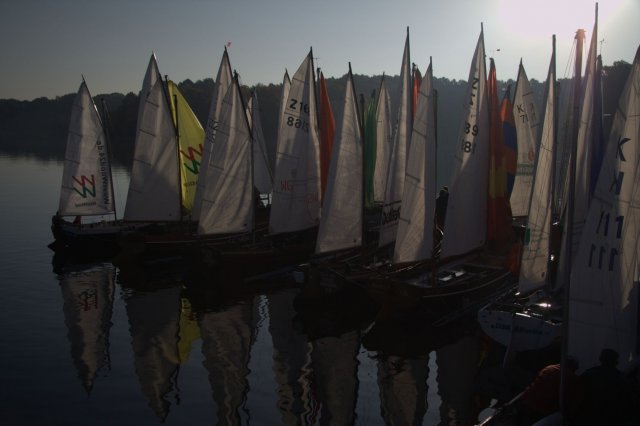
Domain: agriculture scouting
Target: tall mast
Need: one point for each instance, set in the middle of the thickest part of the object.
(105, 127)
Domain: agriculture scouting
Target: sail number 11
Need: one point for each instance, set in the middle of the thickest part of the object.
(604, 256)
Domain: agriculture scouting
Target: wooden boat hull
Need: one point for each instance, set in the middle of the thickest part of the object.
(456, 290)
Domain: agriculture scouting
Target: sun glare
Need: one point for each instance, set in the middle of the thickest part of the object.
(541, 19)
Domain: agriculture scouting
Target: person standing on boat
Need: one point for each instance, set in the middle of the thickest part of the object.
(542, 397)
(441, 207)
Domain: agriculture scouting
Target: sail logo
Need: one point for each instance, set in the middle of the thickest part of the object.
(87, 186)
(390, 216)
(195, 157)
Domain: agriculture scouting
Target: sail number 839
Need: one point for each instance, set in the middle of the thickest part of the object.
(467, 146)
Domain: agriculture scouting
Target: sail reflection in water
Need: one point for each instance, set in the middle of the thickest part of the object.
(227, 338)
(88, 305)
(265, 359)
(154, 319)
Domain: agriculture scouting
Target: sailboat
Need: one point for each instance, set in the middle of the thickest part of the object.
(341, 225)
(295, 207)
(419, 275)
(603, 292)
(87, 186)
(166, 166)
(532, 317)
(229, 205)
(500, 322)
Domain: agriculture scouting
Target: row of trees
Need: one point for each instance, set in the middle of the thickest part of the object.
(39, 127)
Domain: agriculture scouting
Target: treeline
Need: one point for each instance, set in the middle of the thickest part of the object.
(39, 127)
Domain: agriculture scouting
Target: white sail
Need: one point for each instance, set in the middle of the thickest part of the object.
(154, 190)
(227, 195)
(584, 146)
(466, 219)
(527, 122)
(150, 77)
(223, 81)
(262, 173)
(296, 192)
(415, 230)
(535, 253)
(342, 209)
(87, 187)
(384, 142)
(603, 308)
(398, 160)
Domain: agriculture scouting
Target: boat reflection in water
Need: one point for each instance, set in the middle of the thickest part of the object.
(265, 355)
(87, 295)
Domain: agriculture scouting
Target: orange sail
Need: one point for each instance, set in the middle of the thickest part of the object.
(499, 230)
(327, 129)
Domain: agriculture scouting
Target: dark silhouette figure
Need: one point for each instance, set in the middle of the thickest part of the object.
(441, 207)
(607, 393)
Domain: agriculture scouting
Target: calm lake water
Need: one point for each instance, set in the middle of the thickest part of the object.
(87, 345)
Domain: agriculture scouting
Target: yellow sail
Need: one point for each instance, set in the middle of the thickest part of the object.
(190, 138)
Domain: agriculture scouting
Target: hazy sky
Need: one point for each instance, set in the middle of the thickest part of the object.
(47, 45)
